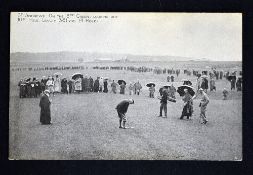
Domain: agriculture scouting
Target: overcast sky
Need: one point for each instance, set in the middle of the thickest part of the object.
(196, 35)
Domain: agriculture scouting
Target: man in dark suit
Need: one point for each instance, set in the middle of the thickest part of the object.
(122, 109)
(91, 84)
(163, 101)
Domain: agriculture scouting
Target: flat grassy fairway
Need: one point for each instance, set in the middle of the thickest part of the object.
(85, 126)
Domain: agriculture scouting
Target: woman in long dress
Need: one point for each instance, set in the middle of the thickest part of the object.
(45, 113)
(78, 85)
(50, 85)
(188, 105)
(57, 84)
(101, 83)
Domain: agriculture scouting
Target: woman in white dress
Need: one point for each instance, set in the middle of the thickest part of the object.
(50, 85)
(101, 83)
(57, 84)
(78, 85)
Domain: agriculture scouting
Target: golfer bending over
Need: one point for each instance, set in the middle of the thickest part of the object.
(122, 109)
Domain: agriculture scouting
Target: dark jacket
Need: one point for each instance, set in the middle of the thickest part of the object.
(164, 97)
(123, 106)
(96, 85)
(45, 114)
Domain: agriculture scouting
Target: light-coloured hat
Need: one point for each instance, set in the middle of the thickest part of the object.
(46, 91)
(201, 89)
(132, 100)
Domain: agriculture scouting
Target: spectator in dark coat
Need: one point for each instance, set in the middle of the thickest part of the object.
(233, 80)
(43, 83)
(122, 108)
(96, 85)
(172, 78)
(37, 88)
(28, 88)
(163, 101)
(22, 88)
(91, 84)
(64, 86)
(70, 84)
(45, 113)
(204, 84)
(239, 84)
(105, 86)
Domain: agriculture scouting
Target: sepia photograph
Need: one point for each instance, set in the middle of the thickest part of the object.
(125, 86)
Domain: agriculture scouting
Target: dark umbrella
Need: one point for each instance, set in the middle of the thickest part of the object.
(180, 90)
(150, 84)
(187, 82)
(77, 75)
(120, 82)
(166, 86)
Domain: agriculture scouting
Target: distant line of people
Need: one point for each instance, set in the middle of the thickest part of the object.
(33, 87)
(56, 68)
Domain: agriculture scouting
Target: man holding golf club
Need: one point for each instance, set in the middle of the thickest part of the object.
(122, 109)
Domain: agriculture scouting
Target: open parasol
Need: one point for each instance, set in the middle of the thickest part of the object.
(150, 84)
(180, 90)
(77, 75)
(120, 82)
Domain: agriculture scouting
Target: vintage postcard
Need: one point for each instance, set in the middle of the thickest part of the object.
(125, 86)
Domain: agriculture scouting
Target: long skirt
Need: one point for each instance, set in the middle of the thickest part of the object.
(45, 116)
(187, 110)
